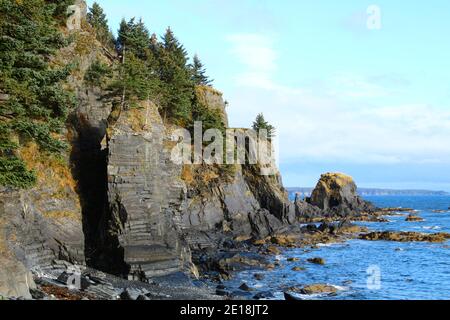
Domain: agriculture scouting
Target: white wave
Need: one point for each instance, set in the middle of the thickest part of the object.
(432, 228)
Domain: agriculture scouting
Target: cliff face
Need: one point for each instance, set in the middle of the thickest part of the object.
(146, 194)
(160, 210)
(117, 202)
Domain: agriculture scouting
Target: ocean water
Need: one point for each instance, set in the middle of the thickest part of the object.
(363, 270)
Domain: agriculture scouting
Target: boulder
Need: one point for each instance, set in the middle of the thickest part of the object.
(320, 261)
(318, 289)
(298, 269)
(414, 218)
(245, 287)
(15, 280)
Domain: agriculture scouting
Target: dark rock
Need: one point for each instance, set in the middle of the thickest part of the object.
(259, 276)
(307, 212)
(414, 218)
(263, 295)
(291, 296)
(125, 295)
(37, 294)
(224, 293)
(317, 261)
(142, 298)
(245, 287)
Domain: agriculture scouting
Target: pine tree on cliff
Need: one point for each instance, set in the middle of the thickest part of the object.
(97, 19)
(134, 37)
(174, 72)
(136, 82)
(34, 105)
(198, 71)
(261, 123)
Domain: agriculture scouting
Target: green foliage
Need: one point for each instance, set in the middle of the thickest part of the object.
(134, 37)
(97, 19)
(211, 118)
(135, 81)
(60, 11)
(198, 72)
(173, 71)
(97, 73)
(37, 105)
(261, 123)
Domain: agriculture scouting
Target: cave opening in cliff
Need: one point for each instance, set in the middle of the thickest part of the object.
(89, 164)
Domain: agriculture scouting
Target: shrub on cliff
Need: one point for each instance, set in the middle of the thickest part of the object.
(37, 105)
(96, 73)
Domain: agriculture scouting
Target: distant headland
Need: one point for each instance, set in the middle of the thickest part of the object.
(373, 192)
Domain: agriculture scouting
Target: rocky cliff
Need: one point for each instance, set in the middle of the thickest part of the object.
(116, 202)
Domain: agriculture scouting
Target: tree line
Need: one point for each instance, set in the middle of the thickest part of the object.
(34, 105)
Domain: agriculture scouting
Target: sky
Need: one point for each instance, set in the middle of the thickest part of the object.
(352, 86)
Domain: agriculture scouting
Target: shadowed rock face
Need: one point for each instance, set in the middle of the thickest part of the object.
(337, 192)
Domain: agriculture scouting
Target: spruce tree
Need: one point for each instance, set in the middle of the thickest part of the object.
(136, 81)
(134, 37)
(35, 105)
(97, 19)
(261, 123)
(198, 71)
(174, 72)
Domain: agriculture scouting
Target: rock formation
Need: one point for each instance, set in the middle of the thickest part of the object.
(337, 193)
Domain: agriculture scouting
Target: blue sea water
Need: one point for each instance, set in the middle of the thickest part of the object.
(364, 270)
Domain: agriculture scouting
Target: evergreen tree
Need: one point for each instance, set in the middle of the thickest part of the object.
(198, 71)
(36, 105)
(134, 37)
(97, 19)
(261, 123)
(136, 81)
(178, 89)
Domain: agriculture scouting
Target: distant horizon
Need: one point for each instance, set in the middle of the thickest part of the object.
(382, 189)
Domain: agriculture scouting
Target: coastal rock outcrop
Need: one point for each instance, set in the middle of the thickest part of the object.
(337, 193)
(405, 236)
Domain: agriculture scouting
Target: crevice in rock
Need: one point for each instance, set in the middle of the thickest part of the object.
(89, 167)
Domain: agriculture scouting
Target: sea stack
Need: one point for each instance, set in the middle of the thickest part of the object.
(337, 192)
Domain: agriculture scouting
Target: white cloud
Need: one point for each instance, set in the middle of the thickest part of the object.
(339, 121)
(257, 57)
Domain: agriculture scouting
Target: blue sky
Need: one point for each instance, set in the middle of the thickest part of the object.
(371, 103)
